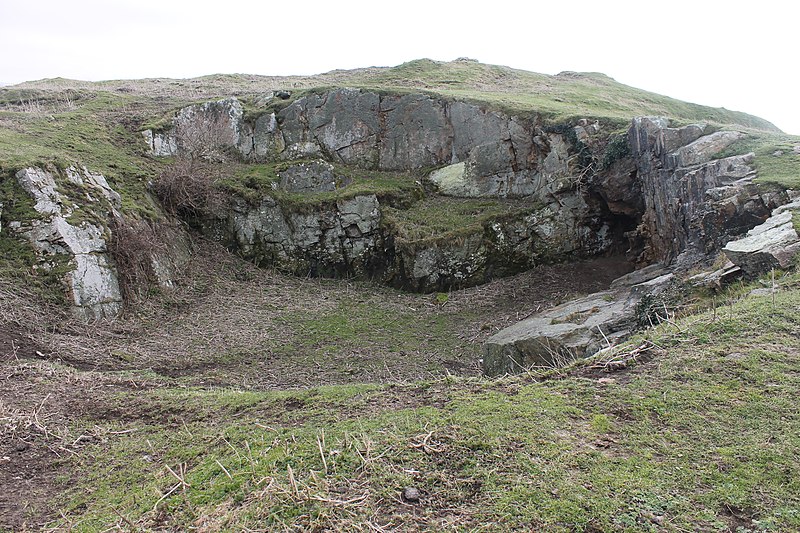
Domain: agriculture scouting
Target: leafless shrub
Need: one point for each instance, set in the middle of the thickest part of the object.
(206, 132)
(187, 188)
(133, 244)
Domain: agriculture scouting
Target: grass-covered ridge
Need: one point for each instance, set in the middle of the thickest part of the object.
(561, 97)
(254, 181)
(67, 122)
(777, 157)
(446, 218)
(704, 436)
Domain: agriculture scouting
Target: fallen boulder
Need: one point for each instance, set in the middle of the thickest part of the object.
(578, 328)
(773, 244)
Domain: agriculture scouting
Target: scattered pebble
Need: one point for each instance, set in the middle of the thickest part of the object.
(21, 446)
(606, 381)
(411, 494)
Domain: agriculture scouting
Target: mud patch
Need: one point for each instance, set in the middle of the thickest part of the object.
(16, 345)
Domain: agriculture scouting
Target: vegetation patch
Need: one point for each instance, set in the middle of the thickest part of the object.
(703, 437)
(255, 181)
(776, 157)
(445, 217)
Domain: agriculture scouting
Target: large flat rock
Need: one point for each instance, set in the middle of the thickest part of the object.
(773, 244)
(578, 328)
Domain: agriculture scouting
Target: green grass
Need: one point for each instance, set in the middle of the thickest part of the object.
(558, 98)
(254, 181)
(704, 437)
(346, 336)
(444, 217)
(782, 169)
(98, 130)
(18, 261)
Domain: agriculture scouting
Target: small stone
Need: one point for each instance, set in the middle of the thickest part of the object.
(411, 494)
(21, 446)
(764, 291)
(796, 149)
(606, 381)
(777, 153)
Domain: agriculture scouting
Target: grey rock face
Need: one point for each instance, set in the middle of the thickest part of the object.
(59, 237)
(268, 141)
(620, 188)
(337, 239)
(207, 130)
(773, 244)
(502, 155)
(693, 204)
(493, 169)
(578, 328)
(161, 144)
(344, 123)
(92, 283)
(416, 134)
(317, 176)
(555, 232)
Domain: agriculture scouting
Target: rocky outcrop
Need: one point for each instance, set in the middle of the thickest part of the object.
(694, 203)
(500, 248)
(502, 155)
(350, 237)
(75, 215)
(491, 170)
(339, 238)
(482, 153)
(578, 328)
(773, 244)
(668, 195)
(316, 176)
(210, 130)
(58, 236)
(688, 203)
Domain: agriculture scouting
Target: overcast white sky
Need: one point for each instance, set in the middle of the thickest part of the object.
(731, 54)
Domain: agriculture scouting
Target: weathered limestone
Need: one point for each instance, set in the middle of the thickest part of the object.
(335, 239)
(313, 177)
(575, 329)
(64, 240)
(207, 130)
(690, 204)
(693, 203)
(92, 281)
(773, 244)
(502, 155)
(670, 197)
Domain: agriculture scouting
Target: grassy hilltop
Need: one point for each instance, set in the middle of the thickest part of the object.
(249, 400)
(97, 123)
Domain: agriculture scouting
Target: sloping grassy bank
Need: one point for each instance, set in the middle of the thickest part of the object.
(701, 434)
